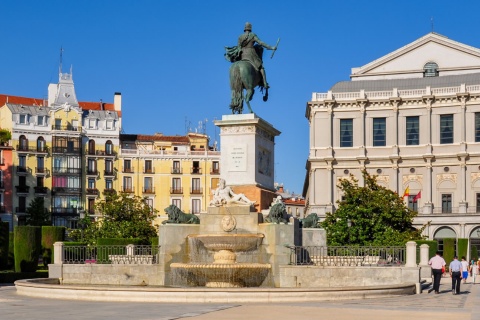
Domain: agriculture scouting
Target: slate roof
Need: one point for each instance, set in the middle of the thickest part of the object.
(144, 137)
(27, 109)
(406, 84)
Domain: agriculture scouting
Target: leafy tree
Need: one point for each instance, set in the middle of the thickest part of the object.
(37, 214)
(123, 216)
(5, 136)
(377, 216)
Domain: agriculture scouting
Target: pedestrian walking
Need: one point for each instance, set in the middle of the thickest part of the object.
(455, 270)
(474, 271)
(465, 269)
(437, 263)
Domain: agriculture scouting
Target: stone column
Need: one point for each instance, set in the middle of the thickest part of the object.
(411, 254)
(425, 269)
(58, 252)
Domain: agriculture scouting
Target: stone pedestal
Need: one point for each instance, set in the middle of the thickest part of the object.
(314, 237)
(248, 156)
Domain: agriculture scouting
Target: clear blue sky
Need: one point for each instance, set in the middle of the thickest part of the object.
(166, 57)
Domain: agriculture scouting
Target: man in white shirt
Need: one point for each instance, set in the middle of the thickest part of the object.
(437, 264)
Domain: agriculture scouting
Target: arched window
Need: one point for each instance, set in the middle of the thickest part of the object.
(91, 146)
(23, 143)
(430, 69)
(109, 148)
(40, 144)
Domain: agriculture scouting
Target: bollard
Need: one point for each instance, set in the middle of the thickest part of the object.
(58, 252)
(411, 254)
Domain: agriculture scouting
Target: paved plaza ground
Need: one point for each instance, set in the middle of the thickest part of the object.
(424, 306)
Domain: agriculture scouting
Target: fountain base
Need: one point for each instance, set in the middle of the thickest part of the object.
(216, 275)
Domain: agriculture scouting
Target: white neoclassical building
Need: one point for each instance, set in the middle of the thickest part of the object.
(411, 117)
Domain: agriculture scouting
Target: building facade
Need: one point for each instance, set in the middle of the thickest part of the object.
(412, 118)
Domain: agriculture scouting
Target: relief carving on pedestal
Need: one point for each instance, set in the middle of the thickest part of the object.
(239, 129)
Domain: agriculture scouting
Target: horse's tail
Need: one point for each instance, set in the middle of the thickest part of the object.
(237, 88)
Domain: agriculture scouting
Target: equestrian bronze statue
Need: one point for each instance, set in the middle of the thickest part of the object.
(247, 71)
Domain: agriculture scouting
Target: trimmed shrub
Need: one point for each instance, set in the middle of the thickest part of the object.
(50, 235)
(448, 249)
(11, 256)
(474, 253)
(4, 242)
(462, 248)
(432, 248)
(27, 248)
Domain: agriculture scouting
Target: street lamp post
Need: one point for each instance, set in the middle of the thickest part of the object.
(81, 223)
(349, 224)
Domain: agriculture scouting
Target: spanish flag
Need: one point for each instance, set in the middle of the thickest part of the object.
(406, 193)
(418, 196)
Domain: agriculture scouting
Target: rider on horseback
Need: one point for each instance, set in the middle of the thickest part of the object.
(246, 51)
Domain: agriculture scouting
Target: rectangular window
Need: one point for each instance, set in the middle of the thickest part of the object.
(109, 124)
(446, 128)
(176, 167)
(22, 161)
(148, 166)
(23, 119)
(91, 183)
(412, 131)
(41, 120)
(346, 133)
(148, 184)
(58, 124)
(109, 184)
(447, 203)
(92, 124)
(379, 132)
(127, 165)
(478, 202)
(149, 202)
(127, 184)
(177, 203)
(92, 166)
(40, 181)
(176, 184)
(215, 167)
(196, 185)
(412, 205)
(477, 126)
(214, 184)
(108, 166)
(196, 206)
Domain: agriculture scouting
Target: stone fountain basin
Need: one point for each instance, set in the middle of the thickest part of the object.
(236, 275)
(234, 242)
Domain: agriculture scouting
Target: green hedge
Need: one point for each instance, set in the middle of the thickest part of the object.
(473, 253)
(11, 277)
(448, 249)
(27, 248)
(11, 255)
(4, 242)
(462, 248)
(50, 235)
(432, 248)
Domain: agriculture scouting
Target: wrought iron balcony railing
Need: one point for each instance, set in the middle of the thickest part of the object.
(40, 190)
(149, 190)
(196, 190)
(177, 170)
(176, 190)
(196, 170)
(22, 189)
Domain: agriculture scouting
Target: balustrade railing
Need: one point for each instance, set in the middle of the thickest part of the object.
(347, 256)
(111, 254)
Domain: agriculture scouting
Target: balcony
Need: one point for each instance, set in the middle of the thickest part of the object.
(196, 190)
(92, 192)
(128, 189)
(20, 210)
(25, 148)
(150, 190)
(92, 172)
(177, 170)
(109, 191)
(149, 170)
(66, 171)
(22, 189)
(68, 127)
(196, 170)
(128, 170)
(41, 171)
(215, 171)
(75, 150)
(65, 190)
(23, 171)
(40, 190)
(60, 211)
(176, 190)
(100, 153)
(108, 173)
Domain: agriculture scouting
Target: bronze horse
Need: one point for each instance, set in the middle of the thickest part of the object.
(244, 76)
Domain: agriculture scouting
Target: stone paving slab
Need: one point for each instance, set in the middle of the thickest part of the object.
(424, 306)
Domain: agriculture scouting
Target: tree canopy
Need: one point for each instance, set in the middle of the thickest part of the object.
(37, 214)
(376, 215)
(123, 216)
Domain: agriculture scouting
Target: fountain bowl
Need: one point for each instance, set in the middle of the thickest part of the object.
(234, 242)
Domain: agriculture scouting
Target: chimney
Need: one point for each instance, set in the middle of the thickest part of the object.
(280, 189)
(117, 101)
